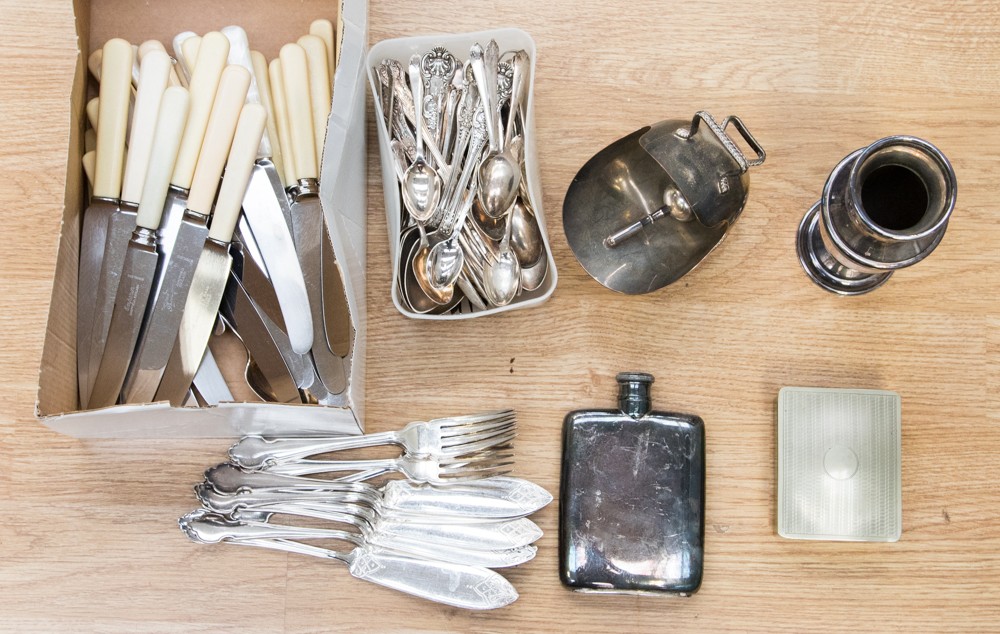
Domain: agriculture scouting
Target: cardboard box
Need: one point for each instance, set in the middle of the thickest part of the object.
(269, 26)
(401, 50)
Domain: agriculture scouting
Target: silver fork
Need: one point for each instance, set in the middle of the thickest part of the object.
(458, 553)
(434, 470)
(445, 437)
(443, 531)
(491, 498)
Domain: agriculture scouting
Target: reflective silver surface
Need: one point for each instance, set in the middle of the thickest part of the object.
(93, 238)
(197, 321)
(263, 209)
(884, 207)
(468, 587)
(121, 224)
(473, 127)
(132, 295)
(307, 223)
(626, 190)
(186, 234)
(450, 436)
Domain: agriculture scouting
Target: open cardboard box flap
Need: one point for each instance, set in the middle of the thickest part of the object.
(342, 192)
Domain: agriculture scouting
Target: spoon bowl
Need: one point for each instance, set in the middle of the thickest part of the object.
(503, 278)
(533, 276)
(421, 251)
(525, 234)
(492, 228)
(421, 190)
(499, 180)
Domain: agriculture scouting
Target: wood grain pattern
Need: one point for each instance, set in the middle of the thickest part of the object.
(88, 539)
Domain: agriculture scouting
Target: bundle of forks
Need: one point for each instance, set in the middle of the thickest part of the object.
(437, 534)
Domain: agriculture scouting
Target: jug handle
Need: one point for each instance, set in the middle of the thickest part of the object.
(726, 140)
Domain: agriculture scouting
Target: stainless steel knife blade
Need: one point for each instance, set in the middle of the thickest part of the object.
(121, 225)
(130, 305)
(263, 344)
(92, 241)
(336, 313)
(209, 383)
(307, 221)
(165, 308)
(262, 209)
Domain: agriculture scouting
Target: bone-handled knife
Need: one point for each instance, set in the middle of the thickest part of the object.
(203, 88)
(174, 277)
(323, 28)
(157, 45)
(319, 88)
(261, 76)
(210, 277)
(121, 223)
(307, 212)
(112, 117)
(139, 267)
(94, 63)
(177, 44)
(89, 164)
(263, 209)
(93, 109)
(277, 81)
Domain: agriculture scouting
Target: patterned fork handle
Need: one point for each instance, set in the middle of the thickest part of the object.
(444, 436)
(436, 471)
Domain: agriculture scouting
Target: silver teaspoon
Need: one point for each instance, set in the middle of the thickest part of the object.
(446, 258)
(421, 184)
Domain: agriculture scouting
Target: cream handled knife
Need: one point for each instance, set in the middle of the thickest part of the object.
(152, 83)
(209, 283)
(112, 119)
(324, 29)
(307, 212)
(175, 275)
(204, 85)
(139, 267)
(319, 88)
(277, 80)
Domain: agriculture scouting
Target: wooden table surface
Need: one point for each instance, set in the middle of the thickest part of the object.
(88, 539)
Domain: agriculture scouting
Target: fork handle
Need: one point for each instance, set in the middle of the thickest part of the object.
(255, 452)
(309, 467)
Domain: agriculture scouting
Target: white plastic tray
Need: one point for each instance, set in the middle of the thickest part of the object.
(401, 50)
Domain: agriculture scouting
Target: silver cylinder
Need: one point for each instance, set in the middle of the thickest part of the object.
(884, 207)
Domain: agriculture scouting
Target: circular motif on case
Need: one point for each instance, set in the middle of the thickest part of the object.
(840, 462)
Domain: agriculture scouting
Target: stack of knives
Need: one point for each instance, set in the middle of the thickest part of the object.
(205, 218)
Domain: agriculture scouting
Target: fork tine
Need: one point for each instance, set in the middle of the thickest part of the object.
(473, 418)
(477, 467)
(456, 434)
(496, 441)
(486, 455)
(458, 476)
(468, 428)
